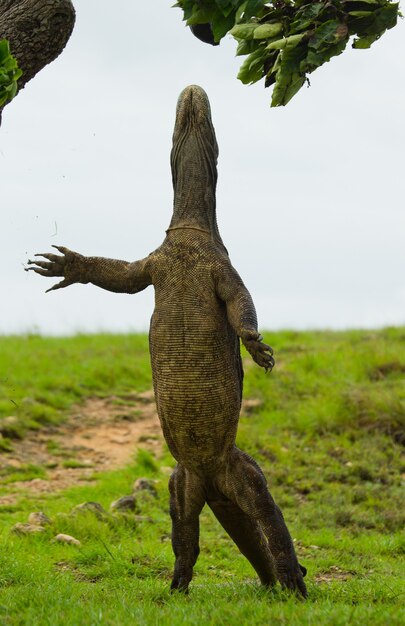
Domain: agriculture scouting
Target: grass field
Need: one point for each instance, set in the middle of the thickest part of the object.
(327, 426)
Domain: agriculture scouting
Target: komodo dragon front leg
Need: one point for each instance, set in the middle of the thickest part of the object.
(242, 481)
(111, 274)
(241, 313)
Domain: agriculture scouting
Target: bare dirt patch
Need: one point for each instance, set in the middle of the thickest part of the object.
(99, 435)
(333, 574)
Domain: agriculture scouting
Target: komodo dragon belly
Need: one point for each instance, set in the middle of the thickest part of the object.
(197, 379)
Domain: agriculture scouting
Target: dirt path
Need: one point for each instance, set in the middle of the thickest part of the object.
(100, 435)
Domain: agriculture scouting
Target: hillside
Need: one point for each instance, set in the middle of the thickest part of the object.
(78, 425)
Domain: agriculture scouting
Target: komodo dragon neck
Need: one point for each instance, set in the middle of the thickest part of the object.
(194, 164)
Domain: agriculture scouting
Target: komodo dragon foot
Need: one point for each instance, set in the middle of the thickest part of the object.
(260, 352)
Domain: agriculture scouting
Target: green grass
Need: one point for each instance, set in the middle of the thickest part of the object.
(327, 430)
(42, 377)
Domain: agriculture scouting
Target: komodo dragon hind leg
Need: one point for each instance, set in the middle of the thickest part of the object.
(243, 482)
(187, 498)
(248, 536)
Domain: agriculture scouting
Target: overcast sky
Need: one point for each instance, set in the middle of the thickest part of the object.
(310, 196)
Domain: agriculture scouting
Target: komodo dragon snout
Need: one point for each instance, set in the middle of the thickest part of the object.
(193, 107)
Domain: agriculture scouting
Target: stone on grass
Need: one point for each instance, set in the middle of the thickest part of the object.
(126, 503)
(38, 518)
(92, 507)
(61, 538)
(145, 484)
(10, 426)
(27, 529)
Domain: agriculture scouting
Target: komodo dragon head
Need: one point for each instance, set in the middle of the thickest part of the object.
(193, 160)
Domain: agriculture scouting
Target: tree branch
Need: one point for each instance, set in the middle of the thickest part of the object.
(37, 31)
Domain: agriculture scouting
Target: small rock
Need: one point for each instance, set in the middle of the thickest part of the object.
(10, 420)
(145, 484)
(9, 426)
(38, 518)
(126, 503)
(61, 538)
(27, 529)
(92, 507)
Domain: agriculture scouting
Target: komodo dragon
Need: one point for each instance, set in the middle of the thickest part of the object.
(202, 308)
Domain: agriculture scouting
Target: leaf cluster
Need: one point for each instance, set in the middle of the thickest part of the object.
(285, 40)
(9, 73)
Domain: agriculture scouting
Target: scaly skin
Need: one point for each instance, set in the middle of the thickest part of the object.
(202, 308)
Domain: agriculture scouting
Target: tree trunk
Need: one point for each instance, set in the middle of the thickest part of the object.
(37, 31)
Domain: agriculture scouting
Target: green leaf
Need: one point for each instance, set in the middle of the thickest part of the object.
(243, 31)
(9, 73)
(377, 22)
(246, 47)
(253, 7)
(199, 16)
(4, 50)
(221, 24)
(360, 13)
(357, 2)
(239, 12)
(289, 78)
(251, 69)
(264, 31)
(312, 61)
(306, 16)
(365, 42)
(225, 6)
(328, 33)
(188, 7)
(286, 43)
(316, 59)
(286, 88)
